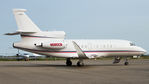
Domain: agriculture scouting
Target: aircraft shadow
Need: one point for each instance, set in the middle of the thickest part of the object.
(61, 66)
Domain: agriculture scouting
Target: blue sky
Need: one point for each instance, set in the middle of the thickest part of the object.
(80, 19)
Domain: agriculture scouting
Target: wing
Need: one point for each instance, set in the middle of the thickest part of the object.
(79, 51)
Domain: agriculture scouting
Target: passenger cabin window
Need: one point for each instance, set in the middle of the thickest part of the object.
(132, 44)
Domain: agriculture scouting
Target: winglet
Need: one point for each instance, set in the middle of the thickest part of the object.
(79, 51)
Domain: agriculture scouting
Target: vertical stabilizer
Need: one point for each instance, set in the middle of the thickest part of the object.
(24, 23)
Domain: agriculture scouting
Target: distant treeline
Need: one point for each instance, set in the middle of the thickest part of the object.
(21, 58)
(15, 58)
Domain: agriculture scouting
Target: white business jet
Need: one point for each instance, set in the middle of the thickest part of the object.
(53, 43)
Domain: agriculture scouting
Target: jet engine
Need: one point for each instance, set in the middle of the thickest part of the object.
(52, 45)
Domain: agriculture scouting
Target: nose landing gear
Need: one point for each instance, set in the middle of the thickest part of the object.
(116, 60)
(126, 61)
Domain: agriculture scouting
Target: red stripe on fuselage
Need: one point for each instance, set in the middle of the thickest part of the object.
(92, 52)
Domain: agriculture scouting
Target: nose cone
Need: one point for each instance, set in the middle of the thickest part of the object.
(142, 50)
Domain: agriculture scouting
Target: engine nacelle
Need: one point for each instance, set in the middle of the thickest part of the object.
(52, 45)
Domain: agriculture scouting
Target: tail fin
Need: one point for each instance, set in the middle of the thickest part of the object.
(24, 23)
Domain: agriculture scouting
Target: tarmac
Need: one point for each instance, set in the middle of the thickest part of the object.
(55, 72)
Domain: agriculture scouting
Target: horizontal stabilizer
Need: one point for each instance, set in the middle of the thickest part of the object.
(18, 32)
(15, 33)
(80, 53)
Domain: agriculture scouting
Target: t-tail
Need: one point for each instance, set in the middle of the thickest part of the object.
(24, 23)
(27, 28)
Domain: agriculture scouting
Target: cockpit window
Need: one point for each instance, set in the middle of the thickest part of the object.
(132, 44)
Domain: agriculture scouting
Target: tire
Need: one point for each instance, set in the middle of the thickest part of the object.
(69, 63)
(80, 64)
(126, 63)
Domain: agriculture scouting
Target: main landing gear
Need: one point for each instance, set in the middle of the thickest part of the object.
(79, 63)
(68, 62)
